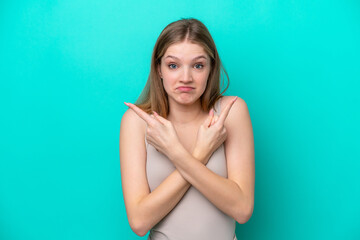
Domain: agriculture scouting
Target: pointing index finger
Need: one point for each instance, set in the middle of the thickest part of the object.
(226, 111)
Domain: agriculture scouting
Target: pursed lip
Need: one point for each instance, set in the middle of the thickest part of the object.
(185, 87)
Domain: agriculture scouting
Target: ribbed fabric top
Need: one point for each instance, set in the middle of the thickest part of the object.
(194, 217)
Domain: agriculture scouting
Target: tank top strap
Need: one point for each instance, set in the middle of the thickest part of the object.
(146, 143)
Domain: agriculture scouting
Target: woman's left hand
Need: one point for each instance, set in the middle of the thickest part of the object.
(160, 132)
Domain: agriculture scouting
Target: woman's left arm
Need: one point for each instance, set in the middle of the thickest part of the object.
(233, 195)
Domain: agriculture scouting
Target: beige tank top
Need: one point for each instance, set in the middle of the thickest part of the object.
(194, 217)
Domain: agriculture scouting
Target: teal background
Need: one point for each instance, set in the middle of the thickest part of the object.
(66, 67)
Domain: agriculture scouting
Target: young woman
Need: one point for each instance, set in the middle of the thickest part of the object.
(186, 151)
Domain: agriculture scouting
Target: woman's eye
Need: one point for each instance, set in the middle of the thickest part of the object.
(172, 65)
(197, 66)
(201, 66)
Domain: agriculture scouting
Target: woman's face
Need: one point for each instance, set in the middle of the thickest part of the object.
(185, 65)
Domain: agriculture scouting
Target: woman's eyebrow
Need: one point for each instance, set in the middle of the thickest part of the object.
(201, 56)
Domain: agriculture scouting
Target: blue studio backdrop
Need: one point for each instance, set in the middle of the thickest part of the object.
(66, 67)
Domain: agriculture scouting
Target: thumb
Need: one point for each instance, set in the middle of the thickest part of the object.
(209, 118)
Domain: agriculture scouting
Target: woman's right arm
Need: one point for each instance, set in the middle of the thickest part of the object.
(144, 208)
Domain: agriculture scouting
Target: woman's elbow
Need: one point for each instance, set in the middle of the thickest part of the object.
(245, 215)
(138, 228)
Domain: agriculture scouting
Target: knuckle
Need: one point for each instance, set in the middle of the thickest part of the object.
(148, 131)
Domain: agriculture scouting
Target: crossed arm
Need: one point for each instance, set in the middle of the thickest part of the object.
(224, 193)
(157, 204)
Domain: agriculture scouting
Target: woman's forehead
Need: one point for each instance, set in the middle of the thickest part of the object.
(185, 51)
(179, 47)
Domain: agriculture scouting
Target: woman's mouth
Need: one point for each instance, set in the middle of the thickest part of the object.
(185, 89)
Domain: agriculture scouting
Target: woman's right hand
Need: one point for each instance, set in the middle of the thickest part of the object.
(211, 134)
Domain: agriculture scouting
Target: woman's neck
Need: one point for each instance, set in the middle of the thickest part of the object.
(181, 114)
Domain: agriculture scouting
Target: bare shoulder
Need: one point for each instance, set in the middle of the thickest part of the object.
(239, 110)
(131, 119)
(226, 99)
(132, 133)
(132, 130)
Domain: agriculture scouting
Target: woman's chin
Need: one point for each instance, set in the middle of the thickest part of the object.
(187, 100)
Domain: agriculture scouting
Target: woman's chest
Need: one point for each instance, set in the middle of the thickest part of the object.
(187, 137)
(159, 166)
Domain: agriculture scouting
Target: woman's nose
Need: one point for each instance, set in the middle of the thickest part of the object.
(187, 74)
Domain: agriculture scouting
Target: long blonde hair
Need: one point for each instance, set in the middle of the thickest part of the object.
(154, 96)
